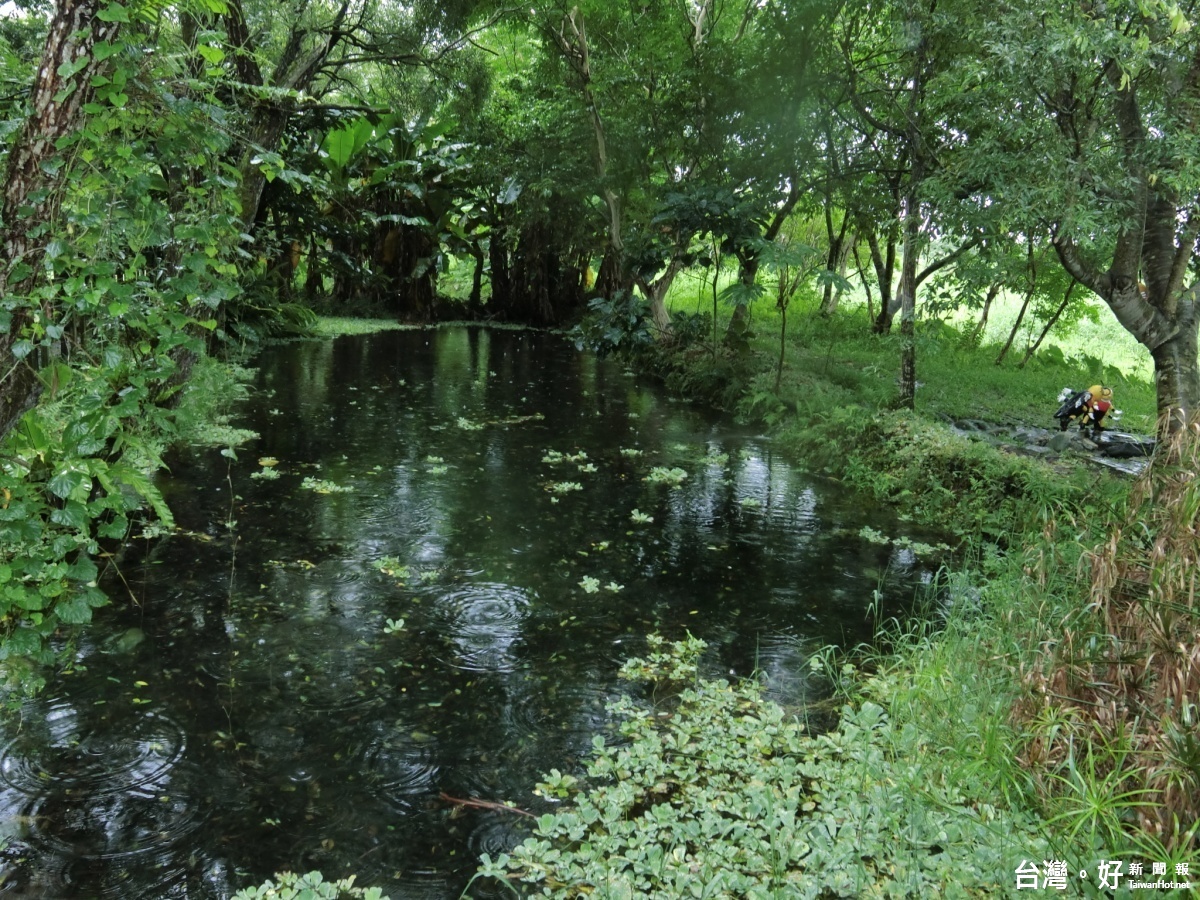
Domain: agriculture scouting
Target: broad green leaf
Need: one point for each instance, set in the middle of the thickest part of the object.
(74, 610)
(104, 49)
(214, 55)
(28, 599)
(70, 68)
(83, 569)
(23, 642)
(36, 436)
(114, 12)
(339, 145)
(56, 376)
(73, 515)
(68, 480)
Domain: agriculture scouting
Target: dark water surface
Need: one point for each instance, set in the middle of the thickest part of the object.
(251, 703)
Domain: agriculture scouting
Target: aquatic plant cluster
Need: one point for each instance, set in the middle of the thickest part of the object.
(714, 791)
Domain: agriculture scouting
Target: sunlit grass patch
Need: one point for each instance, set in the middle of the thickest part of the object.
(333, 326)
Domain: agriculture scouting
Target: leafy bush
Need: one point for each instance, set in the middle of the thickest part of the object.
(619, 322)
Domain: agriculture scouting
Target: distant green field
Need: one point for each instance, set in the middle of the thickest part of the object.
(837, 361)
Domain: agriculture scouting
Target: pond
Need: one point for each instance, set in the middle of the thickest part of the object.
(417, 584)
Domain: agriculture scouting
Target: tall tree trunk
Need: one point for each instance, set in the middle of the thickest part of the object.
(976, 335)
(33, 185)
(1049, 325)
(835, 261)
(1163, 317)
(748, 263)
(314, 282)
(295, 70)
(739, 320)
(907, 298)
(475, 300)
(862, 276)
(912, 232)
(1012, 335)
(498, 258)
(885, 266)
(577, 53)
(656, 293)
(1176, 376)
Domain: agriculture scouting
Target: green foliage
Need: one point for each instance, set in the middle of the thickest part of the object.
(716, 792)
(312, 886)
(1110, 706)
(619, 322)
(74, 472)
(133, 278)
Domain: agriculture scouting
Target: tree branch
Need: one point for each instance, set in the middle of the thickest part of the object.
(948, 258)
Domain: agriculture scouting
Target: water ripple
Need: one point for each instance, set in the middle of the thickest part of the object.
(68, 753)
(400, 769)
(481, 623)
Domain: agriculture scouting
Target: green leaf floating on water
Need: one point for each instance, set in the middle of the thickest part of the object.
(321, 486)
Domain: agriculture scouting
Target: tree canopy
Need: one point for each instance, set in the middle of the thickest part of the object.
(180, 177)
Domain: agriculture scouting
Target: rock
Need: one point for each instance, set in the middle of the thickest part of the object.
(1061, 441)
(1119, 445)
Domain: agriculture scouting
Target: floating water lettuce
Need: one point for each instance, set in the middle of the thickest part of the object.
(392, 567)
(324, 487)
(663, 475)
(554, 457)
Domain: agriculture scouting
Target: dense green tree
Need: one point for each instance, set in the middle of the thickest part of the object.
(1097, 138)
(33, 188)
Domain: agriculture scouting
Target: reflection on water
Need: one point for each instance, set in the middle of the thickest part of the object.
(427, 602)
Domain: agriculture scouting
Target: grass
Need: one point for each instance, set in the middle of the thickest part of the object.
(837, 362)
(334, 326)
